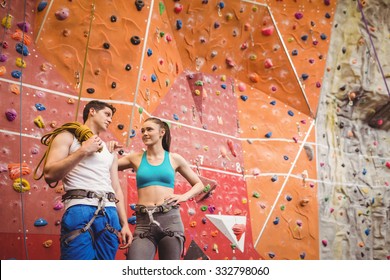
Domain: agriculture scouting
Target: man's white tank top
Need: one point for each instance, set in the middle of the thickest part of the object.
(92, 173)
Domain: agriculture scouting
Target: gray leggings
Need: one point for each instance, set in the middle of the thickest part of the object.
(162, 232)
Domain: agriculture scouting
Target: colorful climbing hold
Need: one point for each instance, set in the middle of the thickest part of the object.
(40, 222)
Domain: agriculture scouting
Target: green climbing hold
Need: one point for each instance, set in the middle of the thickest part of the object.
(161, 7)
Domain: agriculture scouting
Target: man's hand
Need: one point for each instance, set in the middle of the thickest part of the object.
(127, 237)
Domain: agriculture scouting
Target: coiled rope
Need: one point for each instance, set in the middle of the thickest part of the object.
(80, 131)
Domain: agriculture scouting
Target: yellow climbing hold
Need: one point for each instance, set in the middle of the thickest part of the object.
(21, 185)
(20, 63)
(47, 243)
(39, 122)
(7, 21)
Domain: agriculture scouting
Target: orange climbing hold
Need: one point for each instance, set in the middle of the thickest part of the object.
(19, 36)
(15, 170)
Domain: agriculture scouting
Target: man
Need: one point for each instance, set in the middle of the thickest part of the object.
(95, 214)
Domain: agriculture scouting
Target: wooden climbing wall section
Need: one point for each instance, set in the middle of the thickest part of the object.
(238, 81)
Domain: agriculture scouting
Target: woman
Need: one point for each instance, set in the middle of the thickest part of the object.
(159, 226)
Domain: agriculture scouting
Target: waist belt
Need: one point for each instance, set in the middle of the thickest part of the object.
(78, 194)
(155, 209)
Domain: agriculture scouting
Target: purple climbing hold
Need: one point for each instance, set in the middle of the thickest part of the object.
(3, 57)
(11, 114)
(24, 26)
(298, 15)
(62, 14)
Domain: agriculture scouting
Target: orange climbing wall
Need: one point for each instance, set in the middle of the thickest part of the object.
(238, 81)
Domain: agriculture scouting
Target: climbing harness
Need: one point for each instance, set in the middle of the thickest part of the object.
(78, 194)
(74, 194)
(80, 131)
(155, 232)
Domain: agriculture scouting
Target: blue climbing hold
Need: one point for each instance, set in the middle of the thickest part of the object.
(276, 221)
(175, 117)
(285, 157)
(41, 6)
(223, 86)
(132, 220)
(22, 49)
(288, 198)
(268, 135)
(304, 37)
(290, 113)
(274, 178)
(323, 36)
(40, 222)
(179, 24)
(132, 133)
(244, 97)
(149, 52)
(16, 74)
(273, 102)
(294, 52)
(153, 78)
(304, 76)
(40, 107)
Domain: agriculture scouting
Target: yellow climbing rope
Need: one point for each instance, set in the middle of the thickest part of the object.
(80, 131)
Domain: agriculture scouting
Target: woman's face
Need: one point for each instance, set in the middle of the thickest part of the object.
(151, 133)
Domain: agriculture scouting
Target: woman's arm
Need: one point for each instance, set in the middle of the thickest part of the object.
(192, 178)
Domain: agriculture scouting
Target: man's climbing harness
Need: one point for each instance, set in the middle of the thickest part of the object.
(78, 194)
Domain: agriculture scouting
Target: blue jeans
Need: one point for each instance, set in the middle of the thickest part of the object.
(96, 244)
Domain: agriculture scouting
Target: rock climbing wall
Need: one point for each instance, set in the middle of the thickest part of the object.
(353, 136)
(239, 82)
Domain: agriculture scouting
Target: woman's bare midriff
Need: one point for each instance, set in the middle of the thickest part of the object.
(153, 195)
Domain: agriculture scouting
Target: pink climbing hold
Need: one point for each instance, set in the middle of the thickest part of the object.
(231, 147)
(325, 242)
(238, 230)
(178, 8)
(267, 31)
(241, 87)
(388, 164)
(268, 63)
(230, 62)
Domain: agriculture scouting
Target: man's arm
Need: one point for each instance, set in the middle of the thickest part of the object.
(127, 236)
(59, 162)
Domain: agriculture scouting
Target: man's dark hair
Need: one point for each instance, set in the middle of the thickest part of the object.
(97, 105)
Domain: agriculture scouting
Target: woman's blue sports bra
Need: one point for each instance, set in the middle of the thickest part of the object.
(155, 175)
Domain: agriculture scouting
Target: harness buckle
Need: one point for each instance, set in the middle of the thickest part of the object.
(91, 194)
